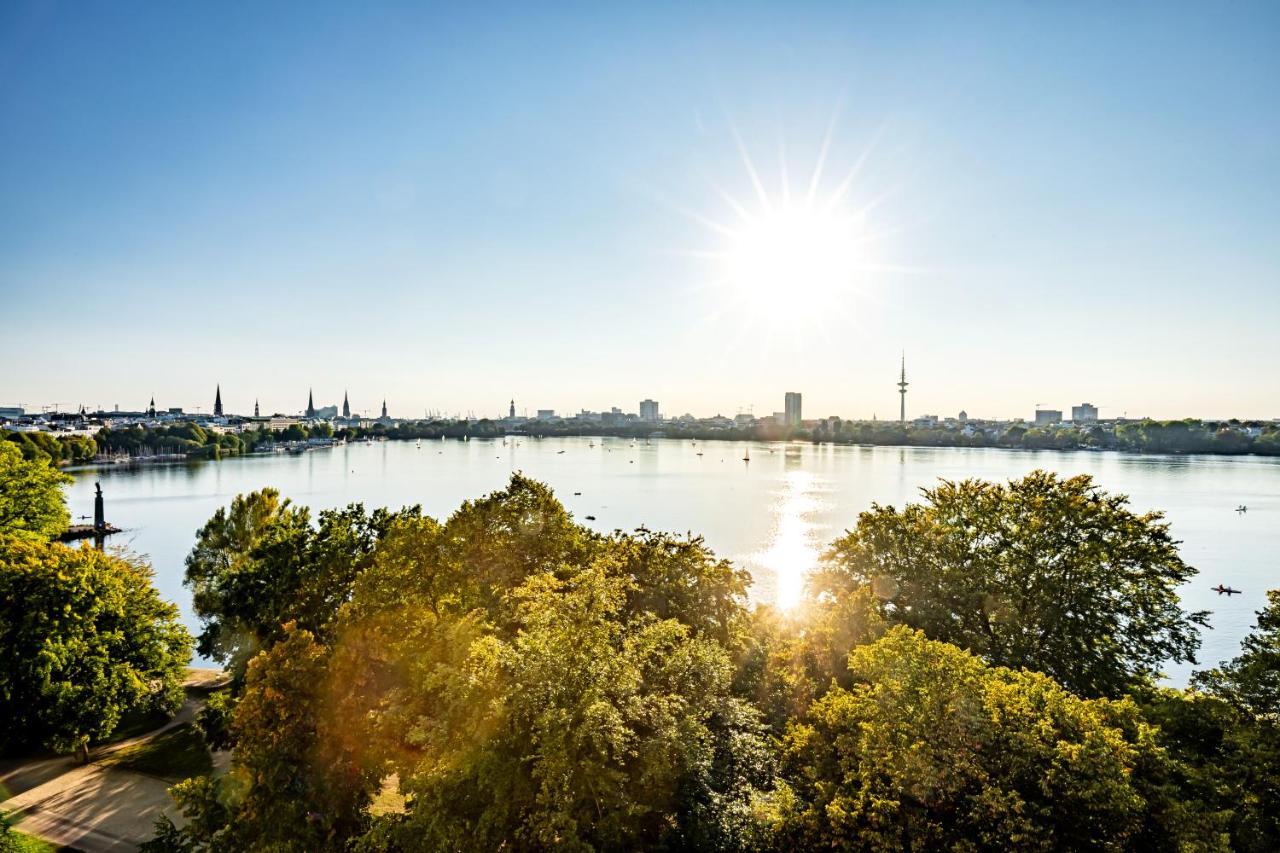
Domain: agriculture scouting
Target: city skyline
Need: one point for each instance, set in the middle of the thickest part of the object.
(647, 409)
(1042, 205)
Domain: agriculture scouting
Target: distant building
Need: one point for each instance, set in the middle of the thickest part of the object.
(546, 414)
(12, 411)
(311, 405)
(791, 408)
(346, 407)
(511, 412)
(217, 401)
(649, 410)
(964, 417)
(1084, 413)
(1048, 417)
(327, 413)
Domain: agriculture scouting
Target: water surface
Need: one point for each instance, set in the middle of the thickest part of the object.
(772, 515)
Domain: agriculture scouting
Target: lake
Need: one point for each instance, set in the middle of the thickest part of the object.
(772, 515)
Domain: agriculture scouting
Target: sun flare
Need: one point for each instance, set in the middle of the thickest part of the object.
(792, 251)
(784, 242)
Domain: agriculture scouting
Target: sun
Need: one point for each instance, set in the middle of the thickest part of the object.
(785, 251)
(786, 242)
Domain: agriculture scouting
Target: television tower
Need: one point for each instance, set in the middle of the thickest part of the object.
(902, 391)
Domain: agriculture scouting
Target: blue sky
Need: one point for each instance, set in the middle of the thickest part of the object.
(451, 207)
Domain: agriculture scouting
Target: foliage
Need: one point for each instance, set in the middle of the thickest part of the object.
(260, 564)
(1247, 762)
(934, 749)
(524, 683)
(31, 498)
(175, 754)
(214, 719)
(1251, 682)
(84, 639)
(1045, 573)
(13, 841)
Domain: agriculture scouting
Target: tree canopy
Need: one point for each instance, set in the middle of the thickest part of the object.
(31, 498)
(932, 749)
(506, 678)
(84, 639)
(1047, 573)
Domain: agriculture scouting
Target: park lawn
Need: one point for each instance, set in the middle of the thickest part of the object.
(174, 755)
(15, 841)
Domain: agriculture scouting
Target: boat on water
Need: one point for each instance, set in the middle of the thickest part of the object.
(747, 456)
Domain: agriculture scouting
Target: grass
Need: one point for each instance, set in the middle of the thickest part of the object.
(137, 723)
(173, 756)
(14, 841)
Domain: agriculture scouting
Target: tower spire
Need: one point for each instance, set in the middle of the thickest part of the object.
(346, 406)
(511, 413)
(217, 401)
(902, 391)
(384, 408)
(311, 405)
(255, 407)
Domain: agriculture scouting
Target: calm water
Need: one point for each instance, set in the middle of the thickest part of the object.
(772, 515)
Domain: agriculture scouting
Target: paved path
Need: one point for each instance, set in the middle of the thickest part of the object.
(92, 807)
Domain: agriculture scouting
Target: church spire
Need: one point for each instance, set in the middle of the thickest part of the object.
(346, 406)
(151, 409)
(511, 413)
(255, 407)
(384, 408)
(217, 401)
(311, 405)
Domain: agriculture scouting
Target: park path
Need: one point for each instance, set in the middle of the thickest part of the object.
(92, 807)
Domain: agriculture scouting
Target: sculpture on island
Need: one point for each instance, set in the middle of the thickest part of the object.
(99, 519)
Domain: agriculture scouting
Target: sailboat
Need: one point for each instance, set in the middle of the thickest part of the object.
(747, 456)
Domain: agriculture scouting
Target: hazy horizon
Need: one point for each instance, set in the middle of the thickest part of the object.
(585, 207)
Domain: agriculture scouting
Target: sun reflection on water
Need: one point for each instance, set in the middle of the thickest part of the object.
(793, 551)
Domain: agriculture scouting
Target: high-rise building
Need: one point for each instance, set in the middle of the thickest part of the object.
(346, 407)
(217, 401)
(902, 391)
(311, 404)
(791, 408)
(1084, 413)
(1048, 417)
(649, 410)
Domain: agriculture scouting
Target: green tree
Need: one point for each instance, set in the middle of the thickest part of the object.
(290, 788)
(260, 563)
(932, 749)
(1046, 573)
(586, 729)
(84, 640)
(1250, 759)
(31, 498)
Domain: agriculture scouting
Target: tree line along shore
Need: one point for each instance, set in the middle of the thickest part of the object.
(195, 441)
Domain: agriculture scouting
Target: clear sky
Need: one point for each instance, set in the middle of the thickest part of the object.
(1049, 203)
